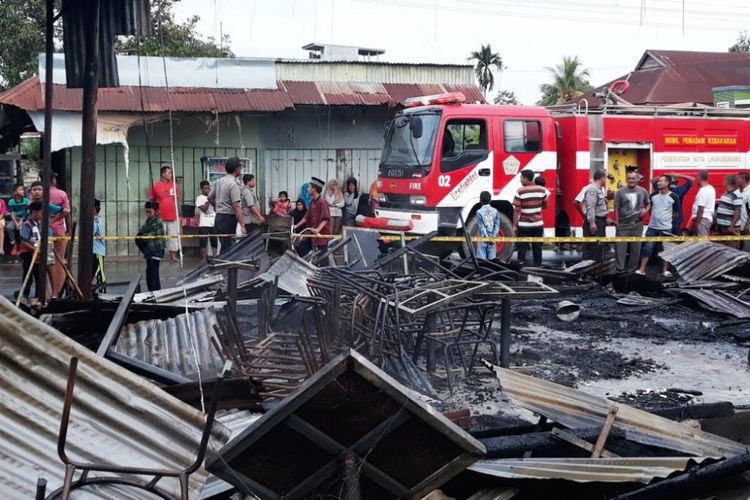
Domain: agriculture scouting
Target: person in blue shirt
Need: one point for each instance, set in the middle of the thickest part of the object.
(100, 248)
(488, 225)
(679, 190)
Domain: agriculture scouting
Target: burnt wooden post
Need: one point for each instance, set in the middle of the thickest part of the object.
(88, 153)
(505, 333)
(232, 290)
(41, 277)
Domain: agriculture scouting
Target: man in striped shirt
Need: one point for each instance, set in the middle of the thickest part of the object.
(527, 216)
(729, 210)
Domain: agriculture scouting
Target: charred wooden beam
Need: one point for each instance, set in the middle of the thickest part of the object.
(538, 442)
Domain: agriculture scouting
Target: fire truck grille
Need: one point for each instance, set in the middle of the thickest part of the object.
(396, 201)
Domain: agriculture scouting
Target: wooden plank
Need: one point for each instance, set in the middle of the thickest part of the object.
(576, 441)
(121, 313)
(599, 446)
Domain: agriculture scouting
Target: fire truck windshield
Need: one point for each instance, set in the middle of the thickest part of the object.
(409, 144)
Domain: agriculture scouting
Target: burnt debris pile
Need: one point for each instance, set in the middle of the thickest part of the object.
(352, 374)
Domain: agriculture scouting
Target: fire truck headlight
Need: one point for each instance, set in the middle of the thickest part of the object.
(417, 200)
(382, 198)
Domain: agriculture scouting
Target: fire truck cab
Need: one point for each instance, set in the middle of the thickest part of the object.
(441, 153)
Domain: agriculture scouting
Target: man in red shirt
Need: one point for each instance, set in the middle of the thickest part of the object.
(165, 193)
(317, 219)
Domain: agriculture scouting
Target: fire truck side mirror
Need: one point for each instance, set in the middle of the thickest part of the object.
(415, 125)
(386, 127)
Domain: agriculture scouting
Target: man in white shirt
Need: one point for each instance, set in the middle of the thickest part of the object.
(743, 182)
(703, 207)
(206, 219)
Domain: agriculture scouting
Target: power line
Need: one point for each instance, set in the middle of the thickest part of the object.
(541, 12)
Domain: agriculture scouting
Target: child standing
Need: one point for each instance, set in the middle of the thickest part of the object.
(153, 246)
(17, 207)
(30, 239)
(206, 223)
(282, 207)
(100, 248)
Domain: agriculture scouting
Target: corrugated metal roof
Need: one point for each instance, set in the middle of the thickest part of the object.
(267, 100)
(703, 260)
(28, 96)
(117, 416)
(577, 409)
(174, 344)
(303, 92)
(585, 470)
(720, 302)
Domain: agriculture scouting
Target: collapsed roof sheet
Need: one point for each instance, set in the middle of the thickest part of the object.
(181, 344)
(577, 409)
(117, 416)
(293, 273)
(703, 260)
(720, 302)
(584, 470)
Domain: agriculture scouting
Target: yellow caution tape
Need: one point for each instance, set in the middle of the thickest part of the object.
(461, 239)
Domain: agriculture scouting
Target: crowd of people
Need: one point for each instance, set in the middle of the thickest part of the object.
(231, 206)
(663, 207)
(637, 212)
(20, 232)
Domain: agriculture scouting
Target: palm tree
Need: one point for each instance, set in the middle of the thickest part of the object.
(569, 80)
(486, 60)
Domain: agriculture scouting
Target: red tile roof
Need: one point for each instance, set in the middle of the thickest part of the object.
(673, 77)
(28, 96)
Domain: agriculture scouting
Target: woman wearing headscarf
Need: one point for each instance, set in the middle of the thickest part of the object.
(351, 201)
(299, 211)
(336, 203)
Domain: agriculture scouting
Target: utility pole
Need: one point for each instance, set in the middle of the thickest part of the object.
(88, 152)
(41, 284)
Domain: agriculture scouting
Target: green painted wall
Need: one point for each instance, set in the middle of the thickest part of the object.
(731, 96)
(123, 191)
(279, 141)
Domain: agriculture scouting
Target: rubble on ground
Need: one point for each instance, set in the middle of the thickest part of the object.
(358, 375)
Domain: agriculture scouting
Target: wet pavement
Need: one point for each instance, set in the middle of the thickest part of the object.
(119, 272)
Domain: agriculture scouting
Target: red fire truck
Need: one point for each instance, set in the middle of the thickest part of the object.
(440, 153)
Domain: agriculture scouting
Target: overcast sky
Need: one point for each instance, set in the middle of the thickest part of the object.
(608, 35)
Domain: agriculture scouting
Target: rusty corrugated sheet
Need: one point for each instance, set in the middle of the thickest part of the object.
(303, 92)
(399, 92)
(402, 91)
(268, 100)
(586, 470)
(118, 417)
(472, 92)
(577, 409)
(28, 96)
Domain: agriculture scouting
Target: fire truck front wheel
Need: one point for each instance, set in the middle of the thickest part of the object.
(504, 250)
